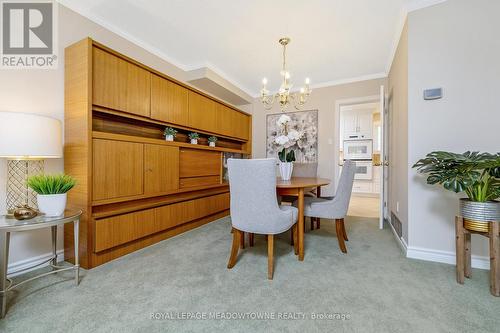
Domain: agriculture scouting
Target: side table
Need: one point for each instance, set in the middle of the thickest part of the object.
(463, 248)
(8, 225)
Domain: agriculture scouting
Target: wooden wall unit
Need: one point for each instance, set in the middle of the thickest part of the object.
(134, 187)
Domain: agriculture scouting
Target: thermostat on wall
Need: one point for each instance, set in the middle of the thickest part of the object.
(430, 94)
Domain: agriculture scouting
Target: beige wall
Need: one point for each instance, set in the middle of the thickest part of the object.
(42, 91)
(398, 137)
(323, 100)
(453, 45)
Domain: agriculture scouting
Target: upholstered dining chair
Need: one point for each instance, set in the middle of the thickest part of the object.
(334, 208)
(254, 205)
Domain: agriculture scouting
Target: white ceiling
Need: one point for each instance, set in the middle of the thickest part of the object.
(333, 41)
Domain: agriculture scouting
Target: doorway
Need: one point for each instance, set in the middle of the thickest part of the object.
(362, 137)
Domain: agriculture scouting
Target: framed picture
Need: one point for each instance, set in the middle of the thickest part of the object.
(305, 122)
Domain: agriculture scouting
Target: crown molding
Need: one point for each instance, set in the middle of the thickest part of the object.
(419, 4)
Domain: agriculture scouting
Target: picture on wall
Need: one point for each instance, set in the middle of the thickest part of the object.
(304, 122)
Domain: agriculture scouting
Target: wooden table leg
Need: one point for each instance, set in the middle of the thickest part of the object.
(460, 248)
(494, 259)
(300, 232)
(468, 255)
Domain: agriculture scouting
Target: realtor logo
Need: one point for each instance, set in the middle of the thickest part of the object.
(28, 34)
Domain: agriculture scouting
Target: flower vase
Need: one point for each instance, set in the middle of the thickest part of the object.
(211, 144)
(169, 137)
(194, 141)
(286, 169)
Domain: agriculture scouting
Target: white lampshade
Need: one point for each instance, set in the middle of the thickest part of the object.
(26, 136)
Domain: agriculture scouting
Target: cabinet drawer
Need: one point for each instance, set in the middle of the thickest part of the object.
(362, 187)
(117, 230)
(198, 163)
(199, 181)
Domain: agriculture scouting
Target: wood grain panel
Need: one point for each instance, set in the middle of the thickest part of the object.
(202, 113)
(117, 168)
(197, 163)
(169, 101)
(199, 181)
(77, 138)
(161, 169)
(121, 229)
(120, 85)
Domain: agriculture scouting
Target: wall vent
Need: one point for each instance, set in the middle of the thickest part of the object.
(396, 224)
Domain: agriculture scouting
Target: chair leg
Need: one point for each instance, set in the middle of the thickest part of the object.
(234, 248)
(340, 234)
(270, 256)
(312, 223)
(295, 242)
(242, 240)
(343, 231)
(318, 223)
(250, 239)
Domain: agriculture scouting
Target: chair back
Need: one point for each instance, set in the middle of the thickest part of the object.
(252, 185)
(309, 170)
(344, 190)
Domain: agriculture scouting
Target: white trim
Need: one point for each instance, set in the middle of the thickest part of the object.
(445, 257)
(14, 268)
(419, 4)
(339, 82)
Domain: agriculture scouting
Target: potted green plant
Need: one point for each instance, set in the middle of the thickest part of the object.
(212, 140)
(193, 136)
(170, 133)
(52, 191)
(476, 174)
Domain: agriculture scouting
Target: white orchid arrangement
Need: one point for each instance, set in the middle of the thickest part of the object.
(286, 139)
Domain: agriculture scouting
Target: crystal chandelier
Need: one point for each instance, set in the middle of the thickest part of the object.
(284, 94)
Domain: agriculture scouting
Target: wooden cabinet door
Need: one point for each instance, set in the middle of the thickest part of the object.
(120, 85)
(197, 163)
(241, 125)
(169, 101)
(117, 169)
(225, 120)
(161, 169)
(202, 112)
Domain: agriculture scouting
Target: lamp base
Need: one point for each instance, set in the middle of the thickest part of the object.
(18, 192)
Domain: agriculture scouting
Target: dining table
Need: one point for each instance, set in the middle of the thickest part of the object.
(296, 187)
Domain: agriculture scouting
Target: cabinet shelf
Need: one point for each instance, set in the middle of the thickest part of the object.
(131, 138)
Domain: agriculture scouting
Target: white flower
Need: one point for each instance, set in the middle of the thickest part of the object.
(294, 135)
(281, 140)
(283, 120)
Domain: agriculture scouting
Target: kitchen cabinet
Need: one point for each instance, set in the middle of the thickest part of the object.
(356, 124)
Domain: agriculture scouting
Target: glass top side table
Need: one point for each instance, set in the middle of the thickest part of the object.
(8, 225)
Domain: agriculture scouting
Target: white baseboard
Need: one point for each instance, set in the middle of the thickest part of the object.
(445, 257)
(14, 268)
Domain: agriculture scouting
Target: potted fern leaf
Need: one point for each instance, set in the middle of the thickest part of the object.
(473, 173)
(212, 140)
(52, 191)
(170, 133)
(193, 137)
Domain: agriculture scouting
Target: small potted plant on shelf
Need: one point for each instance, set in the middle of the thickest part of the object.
(170, 133)
(52, 191)
(193, 136)
(212, 140)
(476, 174)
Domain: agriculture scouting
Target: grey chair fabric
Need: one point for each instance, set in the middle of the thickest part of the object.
(254, 205)
(333, 207)
(305, 170)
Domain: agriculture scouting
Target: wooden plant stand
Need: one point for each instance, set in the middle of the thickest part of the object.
(463, 248)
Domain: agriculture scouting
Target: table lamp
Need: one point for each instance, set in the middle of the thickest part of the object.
(26, 140)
